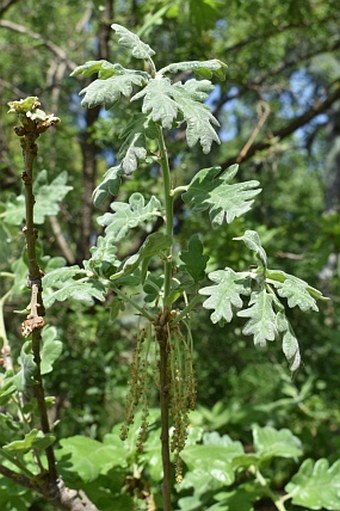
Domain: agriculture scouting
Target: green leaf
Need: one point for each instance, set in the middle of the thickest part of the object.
(7, 388)
(131, 41)
(252, 240)
(214, 457)
(109, 186)
(271, 443)
(107, 92)
(90, 458)
(158, 102)
(24, 377)
(225, 201)
(71, 283)
(316, 486)
(35, 439)
(203, 68)
(225, 294)
(129, 215)
(51, 349)
(262, 322)
(242, 498)
(195, 261)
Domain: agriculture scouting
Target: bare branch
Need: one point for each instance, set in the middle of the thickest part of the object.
(6, 6)
(317, 108)
(56, 50)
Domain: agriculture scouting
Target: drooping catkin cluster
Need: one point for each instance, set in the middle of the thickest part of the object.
(138, 389)
(182, 391)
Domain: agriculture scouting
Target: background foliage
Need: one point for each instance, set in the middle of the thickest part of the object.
(278, 111)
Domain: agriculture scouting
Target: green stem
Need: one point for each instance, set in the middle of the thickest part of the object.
(129, 300)
(169, 212)
(278, 502)
(196, 300)
(162, 327)
(16, 462)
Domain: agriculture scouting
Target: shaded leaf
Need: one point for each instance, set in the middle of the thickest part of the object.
(132, 42)
(270, 443)
(107, 92)
(195, 261)
(210, 190)
(71, 283)
(109, 185)
(35, 439)
(225, 295)
(126, 216)
(47, 199)
(51, 349)
(133, 148)
(90, 458)
(24, 377)
(262, 318)
(316, 485)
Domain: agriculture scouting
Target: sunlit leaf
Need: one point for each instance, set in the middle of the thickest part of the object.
(211, 190)
(262, 318)
(316, 485)
(132, 42)
(126, 216)
(225, 295)
(107, 92)
(252, 240)
(270, 443)
(158, 102)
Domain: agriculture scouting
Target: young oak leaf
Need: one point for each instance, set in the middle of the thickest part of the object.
(297, 291)
(252, 240)
(316, 485)
(133, 147)
(225, 294)
(209, 189)
(290, 344)
(203, 68)
(199, 120)
(262, 318)
(103, 68)
(107, 92)
(132, 42)
(126, 216)
(109, 185)
(158, 102)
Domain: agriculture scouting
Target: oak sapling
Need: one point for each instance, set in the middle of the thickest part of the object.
(165, 103)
